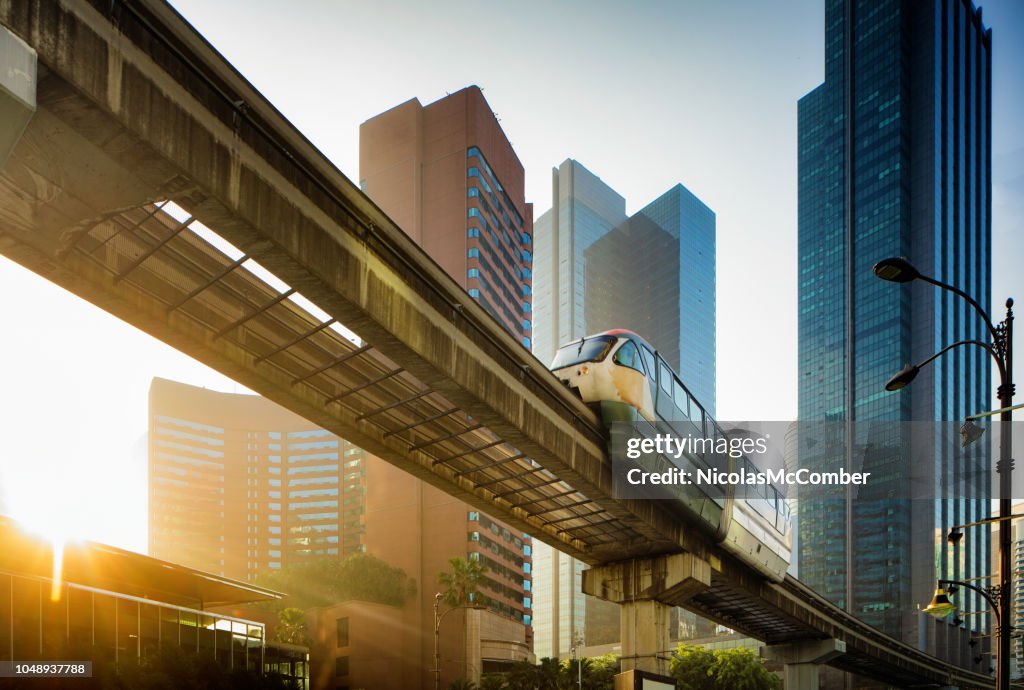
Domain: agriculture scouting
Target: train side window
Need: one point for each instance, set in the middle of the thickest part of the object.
(682, 400)
(666, 378)
(628, 356)
(652, 368)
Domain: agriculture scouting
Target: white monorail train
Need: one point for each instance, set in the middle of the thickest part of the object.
(627, 380)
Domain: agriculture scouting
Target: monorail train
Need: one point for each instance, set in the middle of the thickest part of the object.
(627, 380)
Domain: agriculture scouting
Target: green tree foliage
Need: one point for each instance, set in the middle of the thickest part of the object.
(492, 681)
(461, 581)
(522, 676)
(552, 674)
(462, 684)
(291, 626)
(742, 669)
(691, 667)
(697, 668)
(326, 581)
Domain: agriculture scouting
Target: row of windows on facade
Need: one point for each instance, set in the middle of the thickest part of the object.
(510, 295)
(474, 152)
(509, 288)
(524, 255)
(474, 193)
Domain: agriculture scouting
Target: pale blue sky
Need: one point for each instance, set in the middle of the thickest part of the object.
(644, 94)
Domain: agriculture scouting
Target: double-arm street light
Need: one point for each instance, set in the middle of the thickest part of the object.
(1000, 347)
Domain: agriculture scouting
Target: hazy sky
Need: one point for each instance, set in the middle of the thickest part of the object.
(644, 94)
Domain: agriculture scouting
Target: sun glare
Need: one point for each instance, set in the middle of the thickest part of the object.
(56, 529)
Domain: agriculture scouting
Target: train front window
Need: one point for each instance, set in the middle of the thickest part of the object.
(587, 350)
(629, 356)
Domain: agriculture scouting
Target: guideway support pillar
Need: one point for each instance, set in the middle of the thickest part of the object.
(646, 590)
(17, 90)
(802, 660)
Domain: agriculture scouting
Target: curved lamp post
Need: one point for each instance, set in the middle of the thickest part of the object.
(941, 606)
(899, 270)
(438, 617)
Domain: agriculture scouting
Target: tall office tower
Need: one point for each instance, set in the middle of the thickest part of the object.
(653, 272)
(894, 160)
(584, 209)
(448, 176)
(595, 269)
(240, 486)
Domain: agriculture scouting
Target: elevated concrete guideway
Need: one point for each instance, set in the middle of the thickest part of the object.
(155, 182)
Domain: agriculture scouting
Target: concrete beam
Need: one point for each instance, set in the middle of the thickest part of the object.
(671, 579)
(143, 133)
(17, 90)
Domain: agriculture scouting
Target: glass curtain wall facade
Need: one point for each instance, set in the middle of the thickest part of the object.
(584, 209)
(654, 274)
(239, 486)
(894, 161)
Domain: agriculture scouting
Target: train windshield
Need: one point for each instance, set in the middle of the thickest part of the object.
(587, 350)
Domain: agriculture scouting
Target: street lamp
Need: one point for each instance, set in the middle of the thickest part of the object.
(577, 654)
(438, 617)
(899, 270)
(941, 606)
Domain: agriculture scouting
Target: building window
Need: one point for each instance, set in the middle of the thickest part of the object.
(341, 666)
(473, 253)
(342, 632)
(473, 273)
(474, 292)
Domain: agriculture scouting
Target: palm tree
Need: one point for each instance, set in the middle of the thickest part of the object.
(462, 684)
(522, 676)
(548, 672)
(461, 581)
(292, 626)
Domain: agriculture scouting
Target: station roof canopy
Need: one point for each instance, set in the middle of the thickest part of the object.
(121, 571)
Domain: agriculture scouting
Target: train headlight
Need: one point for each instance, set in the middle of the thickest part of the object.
(584, 370)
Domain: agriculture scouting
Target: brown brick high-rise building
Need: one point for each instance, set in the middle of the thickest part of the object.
(447, 175)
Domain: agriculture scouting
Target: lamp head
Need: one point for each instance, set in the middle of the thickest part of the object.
(895, 269)
(902, 378)
(954, 536)
(969, 433)
(940, 606)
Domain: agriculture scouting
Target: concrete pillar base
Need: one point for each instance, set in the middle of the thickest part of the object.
(802, 660)
(646, 590)
(643, 625)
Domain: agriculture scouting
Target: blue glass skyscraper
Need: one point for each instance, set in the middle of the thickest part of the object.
(596, 269)
(894, 160)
